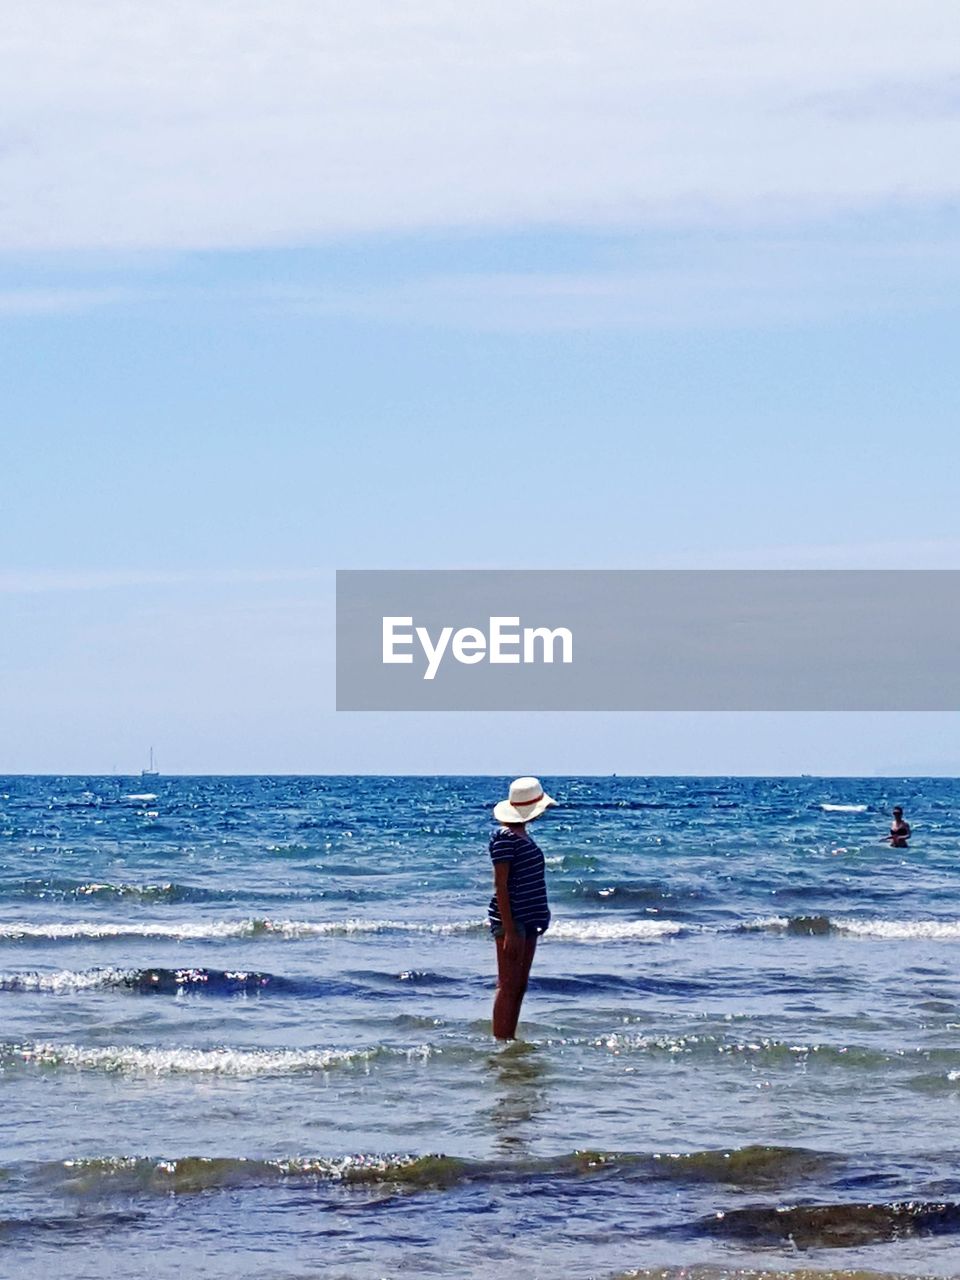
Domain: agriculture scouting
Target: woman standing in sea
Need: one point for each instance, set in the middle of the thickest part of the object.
(518, 910)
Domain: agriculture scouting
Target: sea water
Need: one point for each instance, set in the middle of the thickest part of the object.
(245, 1030)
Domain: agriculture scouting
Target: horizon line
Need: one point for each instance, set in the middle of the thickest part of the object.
(852, 777)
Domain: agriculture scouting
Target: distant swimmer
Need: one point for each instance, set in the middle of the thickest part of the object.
(899, 830)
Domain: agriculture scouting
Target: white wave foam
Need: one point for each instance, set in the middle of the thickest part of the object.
(844, 808)
(763, 923)
(64, 980)
(21, 930)
(764, 1046)
(195, 1172)
(379, 926)
(936, 930)
(619, 1042)
(143, 797)
(211, 930)
(124, 890)
(614, 930)
(186, 1061)
(560, 931)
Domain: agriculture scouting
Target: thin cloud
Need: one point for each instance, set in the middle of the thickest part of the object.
(686, 280)
(919, 553)
(35, 581)
(63, 301)
(693, 282)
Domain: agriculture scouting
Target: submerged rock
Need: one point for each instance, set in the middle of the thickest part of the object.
(834, 1226)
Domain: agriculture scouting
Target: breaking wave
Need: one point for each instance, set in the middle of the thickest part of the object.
(744, 1166)
(614, 930)
(925, 1068)
(162, 980)
(212, 930)
(64, 980)
(773, 1052)
(561, 930)
(934, 930)
(221, 1061)
(259, 927)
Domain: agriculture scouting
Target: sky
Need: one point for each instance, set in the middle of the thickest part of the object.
(289, 287)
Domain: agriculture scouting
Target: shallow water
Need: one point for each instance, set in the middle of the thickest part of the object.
(245, 1030)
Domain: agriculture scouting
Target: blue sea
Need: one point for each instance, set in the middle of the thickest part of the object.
(245, 1031)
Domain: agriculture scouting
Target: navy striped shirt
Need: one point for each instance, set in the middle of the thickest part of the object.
(526, 885)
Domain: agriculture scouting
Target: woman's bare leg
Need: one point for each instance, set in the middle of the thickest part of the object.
(512, 975)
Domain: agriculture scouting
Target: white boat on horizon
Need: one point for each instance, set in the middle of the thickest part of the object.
(150, 772)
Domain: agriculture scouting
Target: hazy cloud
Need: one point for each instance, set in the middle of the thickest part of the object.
(267, 122)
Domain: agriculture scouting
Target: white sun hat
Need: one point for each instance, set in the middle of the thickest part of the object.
(527, 801)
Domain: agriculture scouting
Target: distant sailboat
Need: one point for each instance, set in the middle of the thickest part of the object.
(151, 772)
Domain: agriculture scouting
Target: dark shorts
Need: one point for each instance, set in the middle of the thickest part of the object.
(524, 930)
